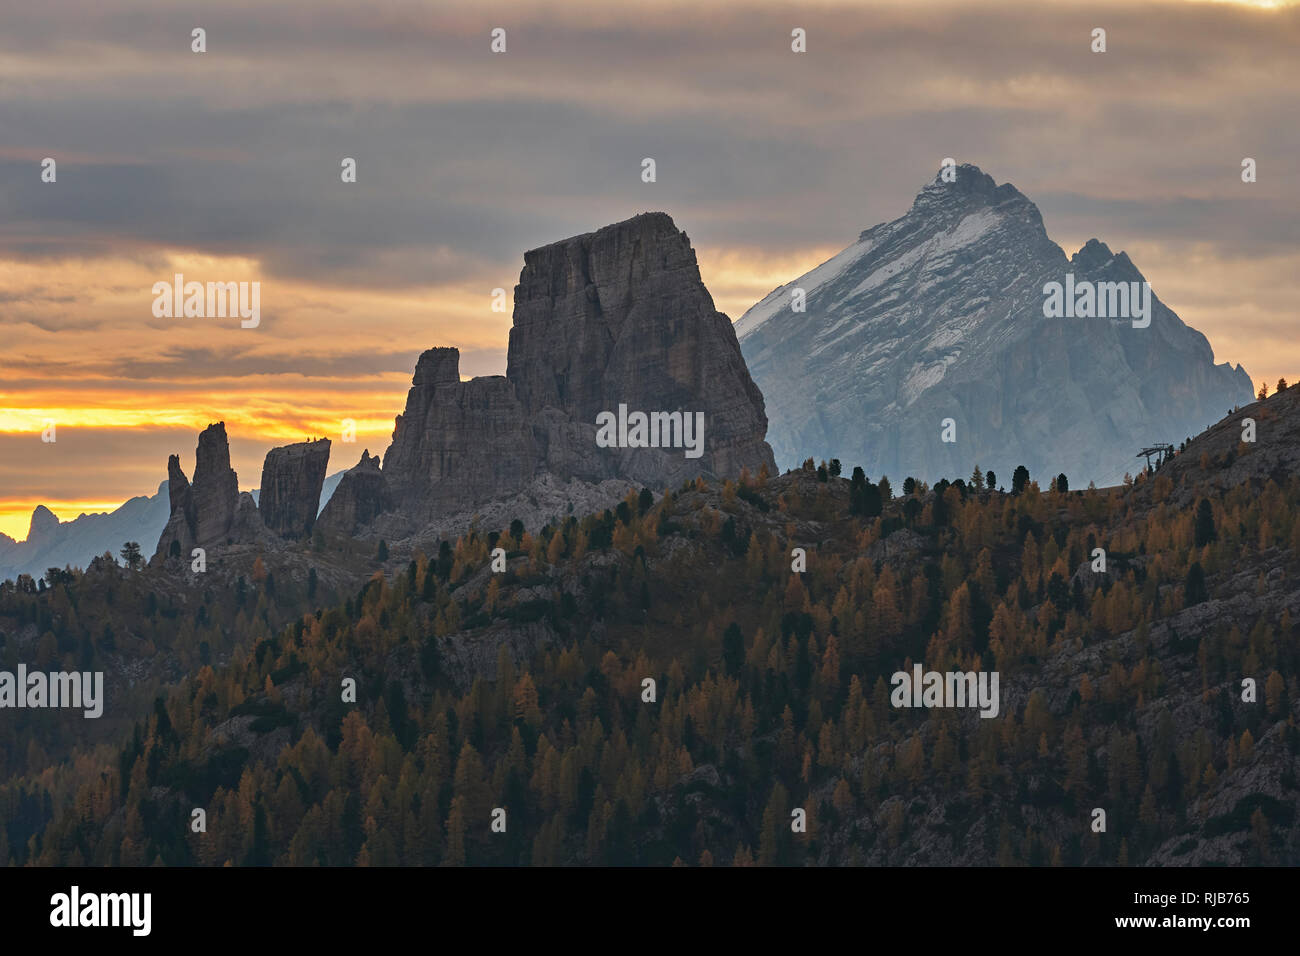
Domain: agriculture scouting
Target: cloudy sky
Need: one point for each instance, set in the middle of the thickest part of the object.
(225, 165)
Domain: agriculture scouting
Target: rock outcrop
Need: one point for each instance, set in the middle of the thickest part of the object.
(206, 512)
(361, 496)
(182, 524)
(613, 324)
(940, 315)
(457, 442)
(292, 476)
(215, 488)
(618, 318)
(621, 316)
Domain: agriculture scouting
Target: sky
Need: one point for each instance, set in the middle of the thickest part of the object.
(225, 166)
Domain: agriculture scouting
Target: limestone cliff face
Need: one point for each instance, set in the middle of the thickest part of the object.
(181, 524)
(206, 512)
(615, 317)
(292, 476)
(621, 316)
(216, 486)
(457, 442)
(361, 496)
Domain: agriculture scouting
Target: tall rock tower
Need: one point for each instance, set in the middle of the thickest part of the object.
(616, 317)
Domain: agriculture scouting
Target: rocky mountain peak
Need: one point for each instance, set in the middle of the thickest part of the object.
(615, 321)
(181, 498)
(174, 472)
(216, 486)
(614, 318)
(971, 189)
(43, 523)
(970, 181)
(621, 316)
(292, 476)
(1094, 254)
(205, 511)
(212, 457)
(437, 366)
(361, 496)
(593, 299)
(940, 315)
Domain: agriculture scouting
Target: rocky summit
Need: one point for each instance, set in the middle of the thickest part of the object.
(361, 496)
(212, 511)
(621, 316)
(940, 315)
(216, 486)
(614, 322)
(292, 477)
(457, 443)
(620, 371)
(205, 512)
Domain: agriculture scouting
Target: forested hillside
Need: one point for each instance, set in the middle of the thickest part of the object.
(525, 690)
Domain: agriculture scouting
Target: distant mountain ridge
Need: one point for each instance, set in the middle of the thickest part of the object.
(938, 315)
(51, 543)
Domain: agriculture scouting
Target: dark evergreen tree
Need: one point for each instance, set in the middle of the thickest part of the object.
(733, 649)
(864, 497)
(1204, 530)
(1194, 587)
(131, 556)
(1058, 591)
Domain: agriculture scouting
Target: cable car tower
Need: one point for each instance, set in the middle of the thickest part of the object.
(1162, 454)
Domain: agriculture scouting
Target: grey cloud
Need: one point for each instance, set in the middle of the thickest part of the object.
(467, 159)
